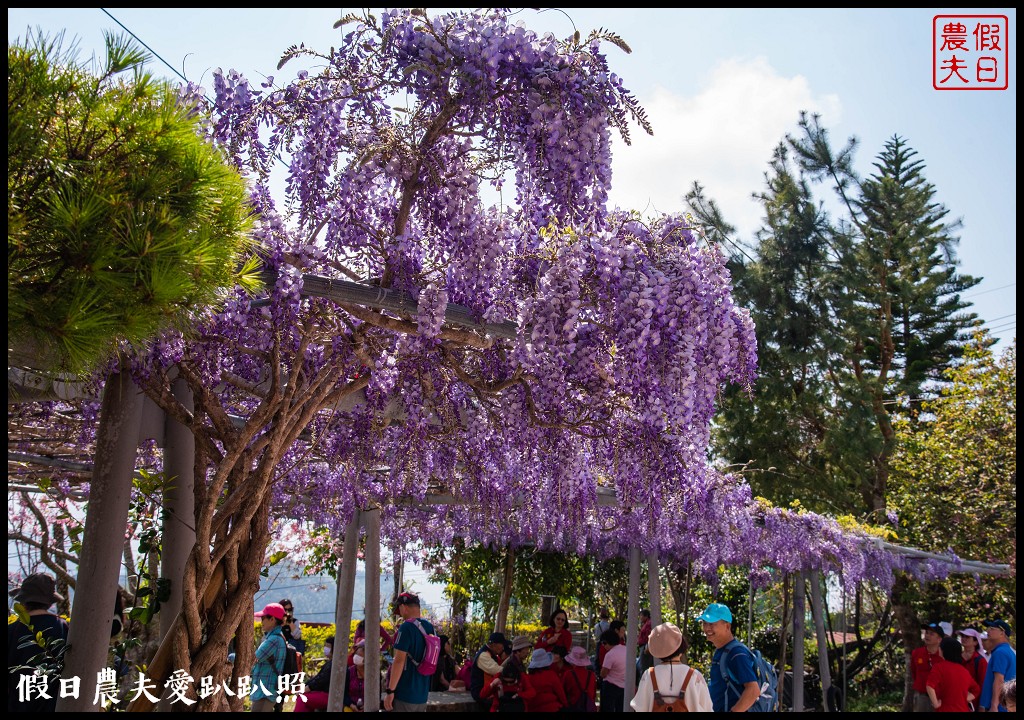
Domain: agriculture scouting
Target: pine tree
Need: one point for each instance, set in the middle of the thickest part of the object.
(122, 219)
(857, 318)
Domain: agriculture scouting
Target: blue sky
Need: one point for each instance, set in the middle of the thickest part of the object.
(721, 88)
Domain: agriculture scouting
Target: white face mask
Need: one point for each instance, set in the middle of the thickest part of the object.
(357, 659)
(327, 650)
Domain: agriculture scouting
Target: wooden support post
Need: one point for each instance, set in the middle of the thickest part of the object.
(818, 612)
(799, 614)
(632, 626)
(100, 559)
(343, 616)
(371, 687)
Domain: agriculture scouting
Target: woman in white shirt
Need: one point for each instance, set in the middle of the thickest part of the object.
(672, 679)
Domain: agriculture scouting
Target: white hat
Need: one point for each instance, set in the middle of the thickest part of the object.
(947, 628)
(970, 632)
(540, 659)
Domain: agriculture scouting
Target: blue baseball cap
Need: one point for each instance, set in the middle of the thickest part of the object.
(999, 623)
(716, 612)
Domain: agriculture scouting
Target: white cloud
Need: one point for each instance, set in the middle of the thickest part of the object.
(723, 138)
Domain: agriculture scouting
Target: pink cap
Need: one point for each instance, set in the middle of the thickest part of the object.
(971, 632)
(275, 610)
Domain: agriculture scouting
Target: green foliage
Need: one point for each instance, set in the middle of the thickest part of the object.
(121, 219)
(49, 661)
(147, 519)
(477, 571)
(890, 700)
(954, 482)
(857, 318)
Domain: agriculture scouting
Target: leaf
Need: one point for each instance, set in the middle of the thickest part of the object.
(22, 613)
(277, 557)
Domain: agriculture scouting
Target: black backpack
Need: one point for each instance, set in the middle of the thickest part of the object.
(292, 665)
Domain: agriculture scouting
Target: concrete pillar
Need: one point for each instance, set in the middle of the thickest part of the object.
(632, 626)
(343, 616)
(179, 536)
(818, 612)
(654, 588)
(371, 691)
(99, 566)
(799, 613)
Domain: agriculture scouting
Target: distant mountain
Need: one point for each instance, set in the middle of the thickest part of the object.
(315, 596)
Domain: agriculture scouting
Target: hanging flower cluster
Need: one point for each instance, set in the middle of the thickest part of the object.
(395, 151)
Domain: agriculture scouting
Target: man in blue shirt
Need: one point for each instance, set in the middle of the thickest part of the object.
(407, 689)
(1002, 665)
(269, 659)
(743, 691)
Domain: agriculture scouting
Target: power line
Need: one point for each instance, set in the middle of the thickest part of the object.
(1002, 287)
(139, 40)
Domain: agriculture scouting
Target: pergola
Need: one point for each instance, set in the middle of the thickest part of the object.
(178, 452)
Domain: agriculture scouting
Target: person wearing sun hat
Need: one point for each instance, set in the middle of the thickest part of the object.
(672, 678)
(972, 658)
(922, 660)
(1002, 665)
(579, 681)
(36, 594)
(549, 695)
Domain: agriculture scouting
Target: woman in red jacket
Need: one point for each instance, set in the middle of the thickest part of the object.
(579, 680)
(549, 695)
(557, 633)
(950, 687)
(973, 660)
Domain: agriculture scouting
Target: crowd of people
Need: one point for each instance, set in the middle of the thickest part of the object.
(967, 670)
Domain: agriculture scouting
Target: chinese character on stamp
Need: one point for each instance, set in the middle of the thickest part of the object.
(970, 52)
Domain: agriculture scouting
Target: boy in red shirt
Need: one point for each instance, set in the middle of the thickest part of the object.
(922, 660)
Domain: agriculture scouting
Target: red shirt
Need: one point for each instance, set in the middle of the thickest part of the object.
(645, 634)
(976, 667)
(564, 639)
(523, 688)
(951, 683)
(921, 663)
(576, 681)
(550, 695)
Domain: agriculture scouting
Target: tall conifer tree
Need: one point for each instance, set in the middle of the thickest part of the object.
(857, 315)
